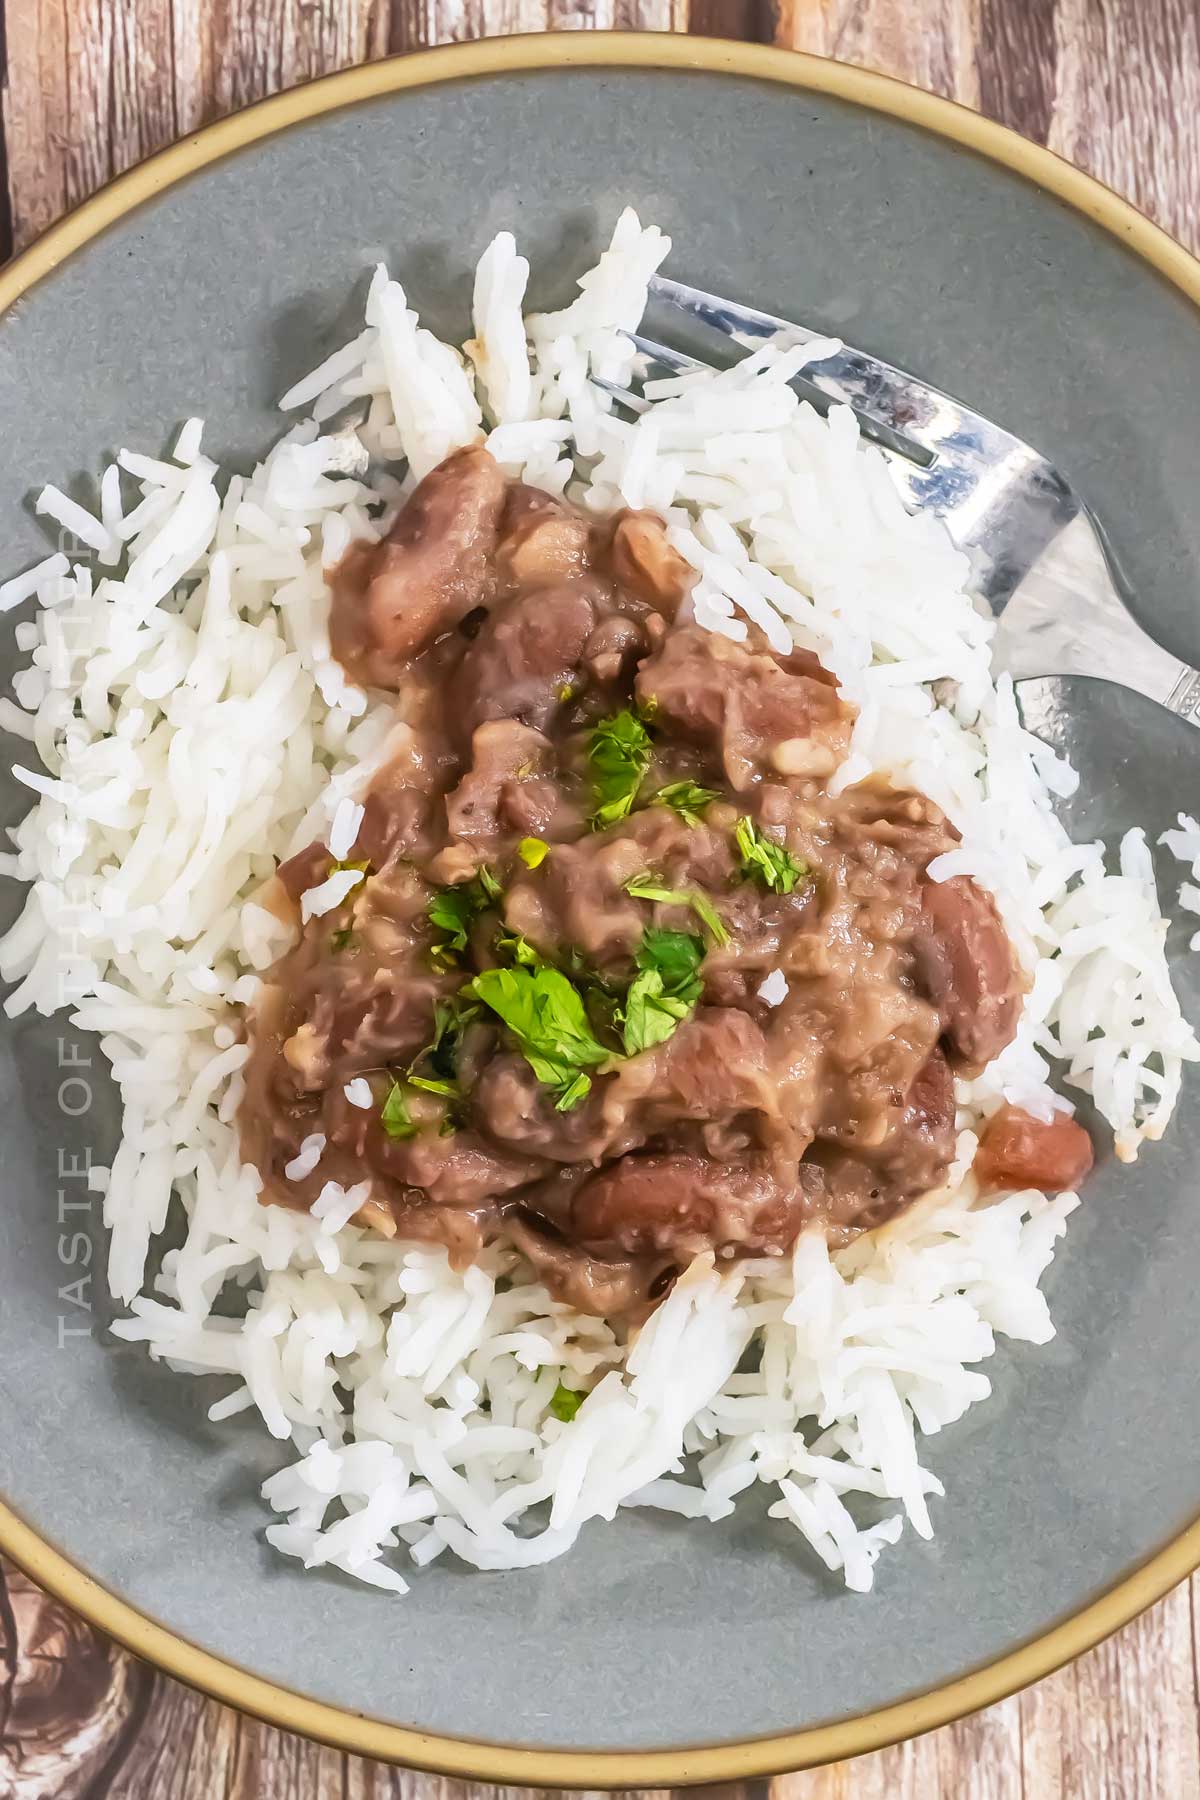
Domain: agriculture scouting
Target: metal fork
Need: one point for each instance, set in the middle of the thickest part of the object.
(1037, 555)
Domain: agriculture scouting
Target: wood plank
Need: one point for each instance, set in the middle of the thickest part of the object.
(246, 49)
(1121, 1723)
(927, 1768)
(35, 110)
(1016, 59)
(416, 23)
(70, 1701)
(1095, 79)
(752, 21)
(931, 44)
(96, 85)
(1127, 102)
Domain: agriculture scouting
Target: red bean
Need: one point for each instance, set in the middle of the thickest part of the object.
(1018, 1151)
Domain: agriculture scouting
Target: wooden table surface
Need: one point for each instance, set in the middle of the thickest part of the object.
(91, 86)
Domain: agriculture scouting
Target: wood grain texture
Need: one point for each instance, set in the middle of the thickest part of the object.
(93, 85)
(1127, 102)
(80, 1720)
(1113, 85)
(932, 44)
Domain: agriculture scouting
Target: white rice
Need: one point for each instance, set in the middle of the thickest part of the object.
(773, 989)
(76, 520)
(20, 588)
(190, 729)
(306, 1158)
(343, 833)
(1184, 843)
(316, 901)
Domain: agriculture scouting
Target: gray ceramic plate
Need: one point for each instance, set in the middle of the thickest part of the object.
(657, 1653)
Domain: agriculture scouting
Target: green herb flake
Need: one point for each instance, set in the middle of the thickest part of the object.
(665, 990)
(453, 910)
(566, 692)
(676, 955)
(687, 798)
(601, 998)
(340, 939)
(394, 1115)
(709, 917)
(565, 1402)
(618, 757)
(650, 1014)
(435, 1068)
(647, 886)
(573, 1093)
(433, 1084)
(511, 947)
(767, 862)
(533, 851)
(546, 1016)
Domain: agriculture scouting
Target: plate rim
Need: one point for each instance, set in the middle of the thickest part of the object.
(526, 1765)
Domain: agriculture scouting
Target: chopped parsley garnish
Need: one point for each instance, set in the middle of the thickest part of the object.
(488, 884)
(575, 1091)
(453, 910)
(533, 851)
(618, 757)
(601, 997)
(709, 917)
(433, 1084)
(665, 990)
(650, 1015)
(546, 1016)
(340, 939)
(394, 1115)
(765, 861)
(565, 1402)
(511, 947)
(435, 1068)
(647, 886)
(676, 955)
(687, 798)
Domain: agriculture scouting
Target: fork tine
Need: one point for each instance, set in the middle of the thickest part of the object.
(726, 315)
(675, 360)
(906, 448)
(878, 392)
(634, 403)
(876, 429)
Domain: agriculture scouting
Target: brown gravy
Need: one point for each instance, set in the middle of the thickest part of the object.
(515, 629)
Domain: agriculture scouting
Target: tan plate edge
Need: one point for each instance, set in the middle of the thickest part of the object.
(465, 1758)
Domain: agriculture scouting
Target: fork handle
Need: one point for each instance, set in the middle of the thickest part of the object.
(1184, 697)
(1068, 619)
